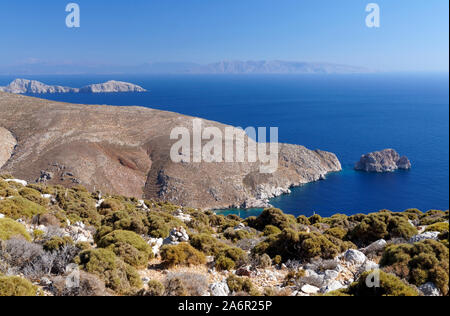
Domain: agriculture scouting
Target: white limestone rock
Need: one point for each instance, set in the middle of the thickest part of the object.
(112, 86)
(375, 247)
(310, 289)
(355, 257)
(430, 289)
(424, 236)
(332, 286)
(21, 86)
(219, 289)
(22, 182)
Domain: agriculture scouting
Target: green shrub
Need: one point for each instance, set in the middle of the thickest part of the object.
(271, 230)
(33, 196)
(222, 222)
(181, 254)
(390, 285)
(413, 213)
(129, 246)
(6, 189)
(237, 255)
(38, 235)
(112, 204)
(422, 262)
(241, 285)
(303, 220)
(125, 220)
(301, 246)
(57, 243)
(336, 232)
(225, 264)
(315, 219)
(116, 274)
(19, 207)
(154, 288)
(264, 261)
(83, 245)
(432, 217)
(274, 217)
(207, 244)
(293, 277)
(438, 227)
(16, 286)
(160, 224)
(338, 221)
(10, 228)
(382, 225)
(236, 235)
(78, 205)
(277, 260)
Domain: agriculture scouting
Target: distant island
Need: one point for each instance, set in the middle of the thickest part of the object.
(21, 86)
(220, 67)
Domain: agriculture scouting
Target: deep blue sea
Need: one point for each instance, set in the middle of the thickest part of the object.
(347, 114)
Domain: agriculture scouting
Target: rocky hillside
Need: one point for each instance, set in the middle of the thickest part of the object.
(115, 245)
(126, 150)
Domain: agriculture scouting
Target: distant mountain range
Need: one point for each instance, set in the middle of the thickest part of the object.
(222, 67)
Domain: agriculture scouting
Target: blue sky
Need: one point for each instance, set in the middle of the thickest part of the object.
(414, 35)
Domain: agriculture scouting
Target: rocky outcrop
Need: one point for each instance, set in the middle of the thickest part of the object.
(126, 150)
(112, 86)
(7, 145)
(424, 236)
(21, 86)
(387, 160)
(429, 289)
(32, 86)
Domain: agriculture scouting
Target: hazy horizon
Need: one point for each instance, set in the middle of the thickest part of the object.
(412, 37)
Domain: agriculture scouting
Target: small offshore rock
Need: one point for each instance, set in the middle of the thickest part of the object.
(387, 160)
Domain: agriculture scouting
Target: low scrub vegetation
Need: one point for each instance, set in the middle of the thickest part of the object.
(124, 246)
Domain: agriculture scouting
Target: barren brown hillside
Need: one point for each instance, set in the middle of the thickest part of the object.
(125, 150)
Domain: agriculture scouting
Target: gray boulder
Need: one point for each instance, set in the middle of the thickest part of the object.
(375, 247)
(219, 289)
(424, 236)
(429, 289)
(176, 236)
(387, 160)
(310, 289)
(355, 257)
(332, 286)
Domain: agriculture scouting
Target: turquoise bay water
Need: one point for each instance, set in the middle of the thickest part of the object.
(348, 115)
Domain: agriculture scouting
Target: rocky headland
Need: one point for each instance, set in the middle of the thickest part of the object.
(126, 150)
(22, 86)
(387, 160)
